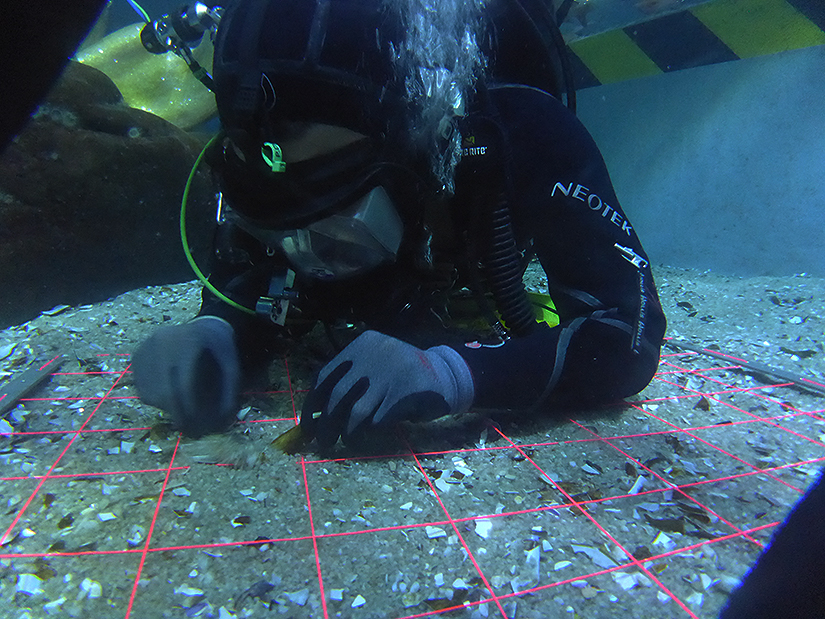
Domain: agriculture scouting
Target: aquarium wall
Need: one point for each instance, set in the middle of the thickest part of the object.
(720, 167)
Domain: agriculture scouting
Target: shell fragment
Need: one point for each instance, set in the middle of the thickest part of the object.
(483, 528)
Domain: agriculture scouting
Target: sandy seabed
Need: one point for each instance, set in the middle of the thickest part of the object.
(654, 507)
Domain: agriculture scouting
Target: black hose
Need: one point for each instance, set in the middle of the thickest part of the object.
(503, 268)
(487, 203)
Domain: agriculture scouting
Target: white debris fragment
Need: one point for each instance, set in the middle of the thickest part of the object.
(106, 516)
(664, 540)
(181, 491)
(461, 466)
(439, 579)
(590, 470)
(6, 350)
(442, 484)
(248, 492)
(53, 607)
(728, 583)
(695, 599)
(637, 485)
(336, 594)
(597, 556)
(57, 309)
(459, 583)
(90, 588)
(434, 532)
(185, 589)
(624, 580)
(619, 555)
(358, 601)
(533, 561)
(662, 597)
(520, 584)
(407, 506)
(29, 584)
(464, 471)
(136, 536)
(642, 579)
(244, 412)
(298, 597)
(483, 528)
(546, 546)
(510, 608)
(126, 447)
(707, 581)
(579, 584)
(223, 613)
(155, 449)
(560, 565)
(6, 427)
(498, 581)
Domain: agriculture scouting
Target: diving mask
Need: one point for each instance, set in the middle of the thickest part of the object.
(350, 242)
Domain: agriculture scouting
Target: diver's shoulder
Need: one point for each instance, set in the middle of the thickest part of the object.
(522, 91)
(520, 100)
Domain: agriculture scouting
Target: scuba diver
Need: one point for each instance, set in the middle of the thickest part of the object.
(340, 89)
(396, 168)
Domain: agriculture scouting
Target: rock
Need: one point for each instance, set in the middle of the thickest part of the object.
(90, 200)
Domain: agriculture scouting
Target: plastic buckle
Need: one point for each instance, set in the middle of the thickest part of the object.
(276, 304)
(274, 159)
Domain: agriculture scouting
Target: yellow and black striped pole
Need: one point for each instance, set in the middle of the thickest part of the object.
(716, 31)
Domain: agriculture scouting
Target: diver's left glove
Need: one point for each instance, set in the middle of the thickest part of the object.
(191, 371)
(379, 380)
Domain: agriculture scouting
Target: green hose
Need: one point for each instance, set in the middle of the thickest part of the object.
(185, 241)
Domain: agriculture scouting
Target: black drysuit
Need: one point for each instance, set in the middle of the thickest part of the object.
(562, 205)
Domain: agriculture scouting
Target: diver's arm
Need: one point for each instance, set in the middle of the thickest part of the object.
(607, 344)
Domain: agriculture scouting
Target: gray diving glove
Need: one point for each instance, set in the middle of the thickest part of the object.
(378, 380)
(191, 371)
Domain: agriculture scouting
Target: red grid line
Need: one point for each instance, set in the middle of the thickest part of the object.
(569, 503)
(495, 598)
(677, 488)
(314, 538)
(603, 531)
(151, 530)
(25, 506)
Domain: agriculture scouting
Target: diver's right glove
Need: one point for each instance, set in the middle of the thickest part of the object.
(191, 371)
(378, 380)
